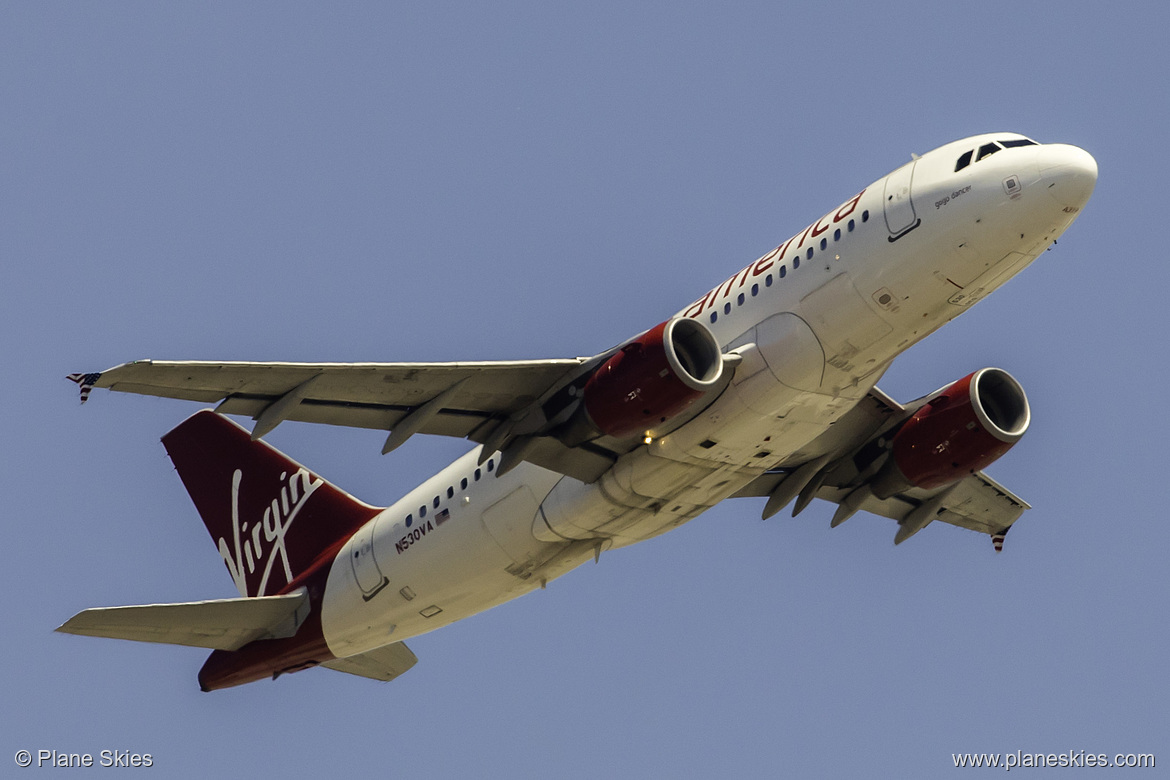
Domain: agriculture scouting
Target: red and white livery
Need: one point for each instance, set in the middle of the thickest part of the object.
(763, 386)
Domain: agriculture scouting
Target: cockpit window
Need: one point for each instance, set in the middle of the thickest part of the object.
(987, 150)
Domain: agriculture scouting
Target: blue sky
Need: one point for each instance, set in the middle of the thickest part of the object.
(427, 181)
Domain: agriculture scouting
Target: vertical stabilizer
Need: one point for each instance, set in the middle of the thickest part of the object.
(270, 517)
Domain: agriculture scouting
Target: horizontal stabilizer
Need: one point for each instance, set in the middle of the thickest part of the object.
(224, 624)
(383, 663)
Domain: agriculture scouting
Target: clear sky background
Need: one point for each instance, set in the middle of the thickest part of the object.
(445, 181)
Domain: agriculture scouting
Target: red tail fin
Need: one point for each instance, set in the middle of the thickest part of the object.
(270, 517)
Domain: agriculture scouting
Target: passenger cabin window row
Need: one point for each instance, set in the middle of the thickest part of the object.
(422, 510)
(782, 269)
(989, 149)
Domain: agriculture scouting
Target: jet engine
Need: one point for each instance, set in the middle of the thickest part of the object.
(652, 378)
(960, 429)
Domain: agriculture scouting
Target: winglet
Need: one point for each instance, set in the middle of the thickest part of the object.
(85, 382)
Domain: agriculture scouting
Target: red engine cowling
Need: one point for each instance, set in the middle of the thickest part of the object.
(964, 427)
(653, 378)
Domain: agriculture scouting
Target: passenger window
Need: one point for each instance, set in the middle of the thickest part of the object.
(409, 520)
(714, 316)
(436, 502)
(477, 475)
(810, 254)
(837, 234)
(964, 160)
(491, 465)
(768, 280)
(755, 290)
(463, 484)
(783, 271)
(851, 225)
(865, 216)
(422, 511)
(739, 300)
(824, 244)
(986, 151)
(450, 492)
(796, 262)
(727, 308)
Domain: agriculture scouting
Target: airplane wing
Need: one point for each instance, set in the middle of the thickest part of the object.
(361, 395)
(837, 467)
(479, 401)
(497, 403)
(382, 663)
(977, 503)
(223, 624)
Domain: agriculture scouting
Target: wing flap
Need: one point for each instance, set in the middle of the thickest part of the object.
(384, 417)
(378, 396)
(361, 395)
(223, 624)
(492, 387)
(383, 663)
(977, 503)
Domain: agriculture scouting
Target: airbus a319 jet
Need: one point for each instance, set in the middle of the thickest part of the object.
(762, 387)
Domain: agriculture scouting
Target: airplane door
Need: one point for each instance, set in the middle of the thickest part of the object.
(899, 206)
(366, 572)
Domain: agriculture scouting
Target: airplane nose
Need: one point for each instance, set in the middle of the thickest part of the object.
(1068, 172)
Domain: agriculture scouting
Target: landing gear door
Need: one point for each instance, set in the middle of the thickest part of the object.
(509, 521)
(899, 205)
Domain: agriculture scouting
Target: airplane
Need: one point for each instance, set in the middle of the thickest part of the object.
(764, 386)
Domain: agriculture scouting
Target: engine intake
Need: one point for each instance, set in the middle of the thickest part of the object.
(962, 428)
(653, 378)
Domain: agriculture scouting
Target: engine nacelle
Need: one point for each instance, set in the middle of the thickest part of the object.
(962, 428)
(653, 378)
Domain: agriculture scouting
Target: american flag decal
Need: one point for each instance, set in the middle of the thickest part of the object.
(85, 382)
(442, 517)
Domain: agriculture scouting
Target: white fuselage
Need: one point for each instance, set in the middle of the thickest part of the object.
(816, 322)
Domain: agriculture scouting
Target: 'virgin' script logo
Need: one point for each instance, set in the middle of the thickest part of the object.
(260, 543)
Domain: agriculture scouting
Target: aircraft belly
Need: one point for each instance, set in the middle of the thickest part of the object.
(659, 486)
(352, 626)
(604, 514)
